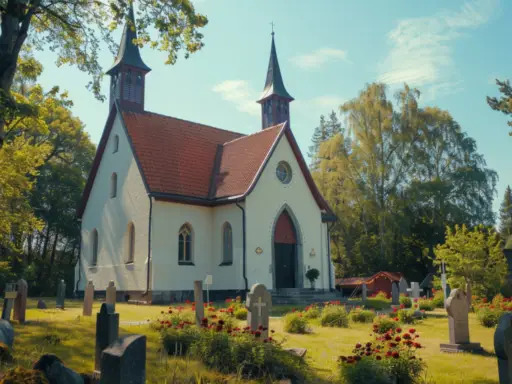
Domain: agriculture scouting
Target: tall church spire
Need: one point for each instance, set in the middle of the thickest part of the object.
(128, 71)
(275, 100)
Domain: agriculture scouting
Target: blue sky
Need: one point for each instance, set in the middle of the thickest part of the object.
(328, 50)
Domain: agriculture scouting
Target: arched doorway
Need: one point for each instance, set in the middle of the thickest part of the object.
(286, 261)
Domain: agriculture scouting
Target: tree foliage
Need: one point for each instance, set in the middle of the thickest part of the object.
(504, 103)
(74, 29)
(506, 214)
(474, 257)
(395, 179)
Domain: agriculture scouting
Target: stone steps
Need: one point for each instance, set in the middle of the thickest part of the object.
(303, 296)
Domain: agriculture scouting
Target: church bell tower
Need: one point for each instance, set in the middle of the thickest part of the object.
(275, 100)
(127, 75)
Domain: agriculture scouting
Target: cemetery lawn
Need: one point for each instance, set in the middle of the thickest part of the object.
(72, 337)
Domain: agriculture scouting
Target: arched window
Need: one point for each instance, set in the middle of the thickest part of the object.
(185, 244)
(131, 243)
(227, 244)
(94, 247)
(113, 185)
(116, 144)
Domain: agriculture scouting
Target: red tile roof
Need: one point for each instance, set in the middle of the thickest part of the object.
(184, 161)
(353, 281)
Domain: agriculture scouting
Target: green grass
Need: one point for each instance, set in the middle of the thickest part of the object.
(324, 345)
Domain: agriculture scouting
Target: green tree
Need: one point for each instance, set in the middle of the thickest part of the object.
(506, 214)
(504, 104)
(74, 30)
(474, 257)
(320, 135)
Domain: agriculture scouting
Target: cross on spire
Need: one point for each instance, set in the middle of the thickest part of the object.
(272, 24)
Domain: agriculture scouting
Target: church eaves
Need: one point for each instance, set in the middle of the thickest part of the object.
(129, 53)
(274, 83)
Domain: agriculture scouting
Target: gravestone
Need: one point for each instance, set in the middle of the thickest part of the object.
(41, 304)
(11, 292)
(88, 299)
(403, 286)
(55, 371)
(111, 294)
(457, 308)
(61, 294)
(364, 292)
(20, 303)
(258, 304)
(124, 361)
(6, 333)
(503, 348)
(468, 295)
(395, 294)
(415, 290)
(107, 331)
(198, 299)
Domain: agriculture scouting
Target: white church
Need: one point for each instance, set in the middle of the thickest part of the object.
(170, 201)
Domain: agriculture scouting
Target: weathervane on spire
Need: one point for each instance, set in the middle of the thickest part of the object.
(272, 24)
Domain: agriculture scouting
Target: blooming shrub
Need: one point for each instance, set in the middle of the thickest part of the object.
(487, 317)
(389, 358)
(405, 301)
(438, 299)
(381, 295)
(334, 316)
(360, 315)
(21, 375)
(295, 322)
(241, 314)
(406, 316)
(382, 324)
(311, 312)
(426, 304)
(489, 313)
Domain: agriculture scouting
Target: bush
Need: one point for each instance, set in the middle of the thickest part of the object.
(21, 375)
(311, 312)
(382, 324)
(381, 295)
(498, 300)
(359, 315)
(241, 313)
(426, 305)
(438, 299)
(312, 274)
(334, 316)
(366, 371)
(406, 316)
(295, 322)
(488, 317)
(405, 301)
(178, 340)
(377, 303)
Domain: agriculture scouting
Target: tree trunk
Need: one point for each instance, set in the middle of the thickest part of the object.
(46, 240)
(52, 257)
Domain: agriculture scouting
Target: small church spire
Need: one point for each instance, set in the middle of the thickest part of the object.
(275, 100)
(128, 71)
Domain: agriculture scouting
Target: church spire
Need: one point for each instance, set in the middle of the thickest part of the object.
(128, 71)
(275, 100)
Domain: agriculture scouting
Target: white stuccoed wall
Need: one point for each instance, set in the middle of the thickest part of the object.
(263, 205)
(111, 217)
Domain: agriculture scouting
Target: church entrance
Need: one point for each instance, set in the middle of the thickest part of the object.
(285, 252)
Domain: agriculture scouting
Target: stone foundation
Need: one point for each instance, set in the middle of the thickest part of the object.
(466, 347)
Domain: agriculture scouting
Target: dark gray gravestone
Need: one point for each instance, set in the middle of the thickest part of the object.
(41, 304)
(6, 333)
(364, 292)
(395, 294)
(403, 286)
(56, 372)
(107, 331)
(61, 294)
(503, 348)
(124, 362)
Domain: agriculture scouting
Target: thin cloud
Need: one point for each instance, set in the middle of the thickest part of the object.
(328, 102)
(421, 48)
(239, 93)
(319, 57)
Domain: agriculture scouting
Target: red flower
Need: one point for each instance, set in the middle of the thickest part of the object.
(205, 305)
(221, 322)
(357, 358)
(396, 319)
(398, 330)
(406, 336)
(412, 330)
(387, 336)
(170, 311)
(378, 357)
(417, 345)
(257, 333)
(293, 309)
(395, 310)
(398, 339)
(358, 345)
(402, 306)
(395, 355)
(388, 353)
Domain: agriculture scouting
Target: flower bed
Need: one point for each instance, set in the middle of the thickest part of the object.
(489, 313)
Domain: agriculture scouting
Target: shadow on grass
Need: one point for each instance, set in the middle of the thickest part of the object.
(484, 381)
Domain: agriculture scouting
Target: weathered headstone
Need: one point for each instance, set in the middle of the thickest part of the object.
(364, 292)
(198, 298)
(503, 348)
(41, 304)
(403, 286)
(259, 304)
(124, 361)
(11, 292)
(20, 303)
(88, 299)
(468, 295)
(415, 290)
(6, 333)
(107, 331)
(55, 371)
(395, 294)
(111, 294)
(457, 308)
(61, 294)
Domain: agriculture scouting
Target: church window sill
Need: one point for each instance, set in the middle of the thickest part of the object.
(225, 263)
(93, 268)
(185, 263)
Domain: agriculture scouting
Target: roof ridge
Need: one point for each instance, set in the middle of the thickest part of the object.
(188, 121)
(256, 133)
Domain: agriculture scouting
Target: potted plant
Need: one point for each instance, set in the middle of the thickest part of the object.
(312, 274)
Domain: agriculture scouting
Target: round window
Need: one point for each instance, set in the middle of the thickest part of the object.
(284, 172)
